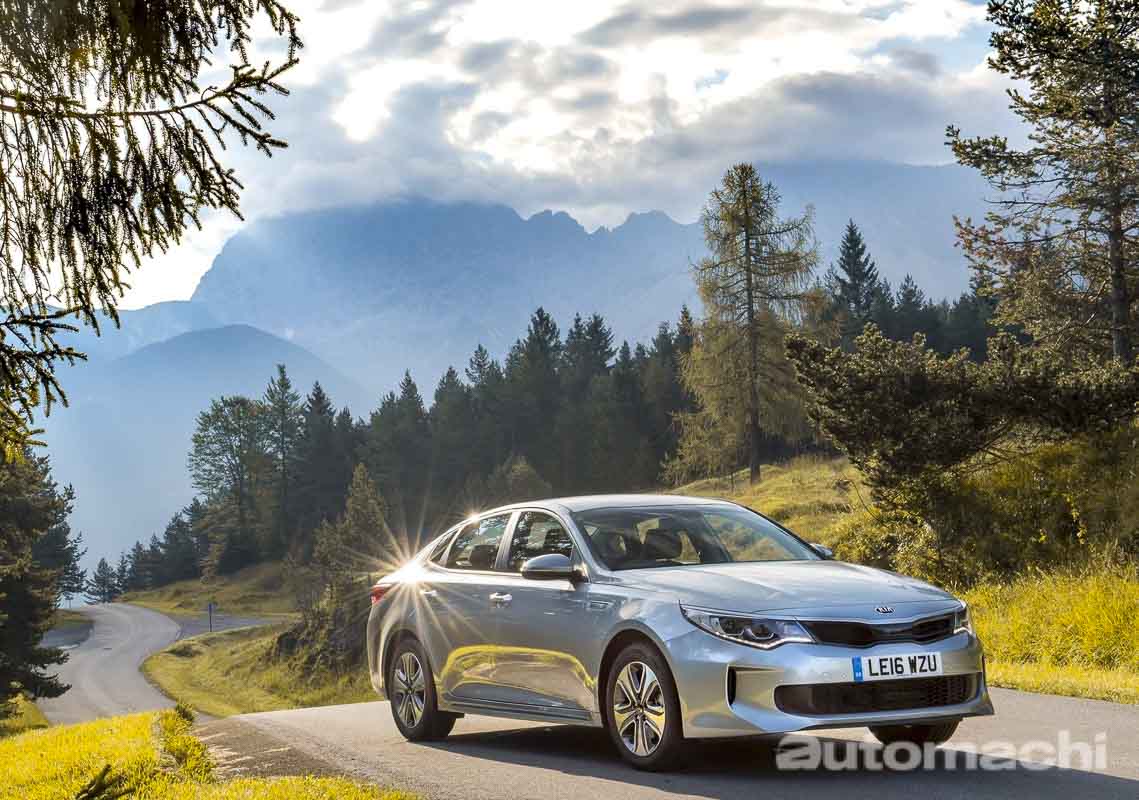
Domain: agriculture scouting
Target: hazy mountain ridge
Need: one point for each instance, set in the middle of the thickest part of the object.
(124, 440)
(416, 284)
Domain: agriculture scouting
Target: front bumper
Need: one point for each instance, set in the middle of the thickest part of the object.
(728, 689)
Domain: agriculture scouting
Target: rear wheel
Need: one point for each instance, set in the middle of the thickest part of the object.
(411, 689)
(643, 710)
(915, 734)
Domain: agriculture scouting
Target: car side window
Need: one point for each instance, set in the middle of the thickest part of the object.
(476, 546)
(440, 549)
(537, 534)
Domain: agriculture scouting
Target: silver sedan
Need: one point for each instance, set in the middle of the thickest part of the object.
(665, 618)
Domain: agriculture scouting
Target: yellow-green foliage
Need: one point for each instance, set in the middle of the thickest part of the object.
(152, 757)
(23, 716)
(257, 590)
(1068, 632)
(57, 762)
(811, 495)
(233, 673)
(1085, 618)
(279, 789)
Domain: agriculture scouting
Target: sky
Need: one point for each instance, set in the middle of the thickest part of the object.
(597, 108)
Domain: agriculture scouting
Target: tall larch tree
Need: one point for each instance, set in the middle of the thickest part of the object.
(754, 281)
(1062, 232)
(113, 126)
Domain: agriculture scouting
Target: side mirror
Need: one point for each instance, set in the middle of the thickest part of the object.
(823, 550)
(550, 567)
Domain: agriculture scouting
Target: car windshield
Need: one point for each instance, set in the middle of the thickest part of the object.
(647, 537)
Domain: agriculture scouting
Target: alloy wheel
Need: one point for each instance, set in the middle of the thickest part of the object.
(639, 709)
(410, 691)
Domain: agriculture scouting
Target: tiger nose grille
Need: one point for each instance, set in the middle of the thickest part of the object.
(857, 634)
(866, 698)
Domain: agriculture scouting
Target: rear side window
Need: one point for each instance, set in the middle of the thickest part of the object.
(536, 535)
(440, 549)
(476, 546)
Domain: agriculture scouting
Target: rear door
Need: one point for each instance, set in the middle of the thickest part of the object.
(461, 617)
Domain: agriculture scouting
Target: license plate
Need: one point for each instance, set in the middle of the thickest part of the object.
(886, 668)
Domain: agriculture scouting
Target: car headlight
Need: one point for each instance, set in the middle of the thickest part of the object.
(760, 632)
(961, 621)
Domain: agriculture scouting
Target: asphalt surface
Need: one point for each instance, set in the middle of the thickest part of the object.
(103, 668)
(492, 759)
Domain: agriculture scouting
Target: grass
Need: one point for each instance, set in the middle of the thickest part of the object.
(260, 590)
(1066, 632)
(811, 495)
(231, 673)
(149, 757)
(25, 716)
(69, 618)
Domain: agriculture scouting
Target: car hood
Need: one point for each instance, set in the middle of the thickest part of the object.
(787, 586)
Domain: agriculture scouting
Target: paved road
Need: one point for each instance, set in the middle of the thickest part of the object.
(493, 759)
(103, 669)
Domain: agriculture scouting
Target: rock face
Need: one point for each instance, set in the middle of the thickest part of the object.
(417, 285)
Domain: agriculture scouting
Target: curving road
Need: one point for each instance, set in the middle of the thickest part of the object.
(103, 670)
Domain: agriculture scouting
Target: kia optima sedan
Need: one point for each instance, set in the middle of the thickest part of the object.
(661, 619)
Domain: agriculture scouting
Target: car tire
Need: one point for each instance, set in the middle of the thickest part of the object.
(411, 689)
(636, 713)
(915, 734)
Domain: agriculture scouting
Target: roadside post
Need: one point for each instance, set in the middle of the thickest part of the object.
(210, 609)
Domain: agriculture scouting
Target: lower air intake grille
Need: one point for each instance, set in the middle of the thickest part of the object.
(821, 699)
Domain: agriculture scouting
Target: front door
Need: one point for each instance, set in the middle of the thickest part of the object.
(546, 627)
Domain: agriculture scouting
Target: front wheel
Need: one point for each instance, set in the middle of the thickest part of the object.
(411, 689)
(915, 734)
(643, 709)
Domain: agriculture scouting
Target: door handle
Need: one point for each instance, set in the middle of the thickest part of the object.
(500, 599)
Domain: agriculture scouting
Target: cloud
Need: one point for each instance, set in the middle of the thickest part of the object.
(595, 108)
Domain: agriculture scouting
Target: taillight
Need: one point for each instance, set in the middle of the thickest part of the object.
(379, 590)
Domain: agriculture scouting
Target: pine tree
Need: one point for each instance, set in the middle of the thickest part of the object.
(534, 391)
(104, 584)
(284, 422)
(754, 282)
(452, 422)
(491, 435)
(29, 506)
(855, 281)
(61, 553)
(1074, 190)
(320, 485)
(359, 542)
(122, 574)
(114, 124)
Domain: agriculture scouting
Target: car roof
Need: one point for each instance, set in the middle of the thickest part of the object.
(590, 502)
